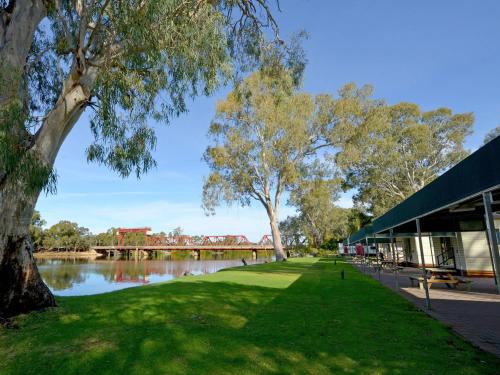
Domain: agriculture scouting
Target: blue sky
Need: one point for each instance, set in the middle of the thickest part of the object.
(434, 53)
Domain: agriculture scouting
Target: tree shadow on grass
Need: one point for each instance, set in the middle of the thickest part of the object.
(317, 323)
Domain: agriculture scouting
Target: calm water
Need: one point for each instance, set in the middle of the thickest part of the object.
(74, 277)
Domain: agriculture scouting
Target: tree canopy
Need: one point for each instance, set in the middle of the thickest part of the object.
(314, 197)
(66, 235)
(492, 134)
(129, 62)
(388, 152)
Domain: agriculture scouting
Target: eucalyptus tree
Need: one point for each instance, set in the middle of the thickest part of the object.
(388, 152)
(66, 235)
(315, 202)
(492, 134)
(263, 135)
(292, 230)
(125, 62)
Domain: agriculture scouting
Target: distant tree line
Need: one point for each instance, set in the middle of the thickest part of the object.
(65, 235)
(69, 236)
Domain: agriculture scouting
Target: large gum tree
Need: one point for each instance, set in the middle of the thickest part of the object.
(388, 152)
(125, 62)
(264, 135)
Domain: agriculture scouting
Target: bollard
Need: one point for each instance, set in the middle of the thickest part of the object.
(335, 262)
(342, 274)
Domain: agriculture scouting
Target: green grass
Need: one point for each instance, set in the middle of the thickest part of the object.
(296, 317)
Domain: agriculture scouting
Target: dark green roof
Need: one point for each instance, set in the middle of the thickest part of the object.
(361, 234)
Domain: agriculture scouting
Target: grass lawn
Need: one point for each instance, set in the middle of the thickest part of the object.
(296, 317)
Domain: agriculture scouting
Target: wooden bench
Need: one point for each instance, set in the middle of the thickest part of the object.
(448, 283)
(456, 281)
(420, 280)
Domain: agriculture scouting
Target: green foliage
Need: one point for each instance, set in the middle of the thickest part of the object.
(492, 134)
(137, 62)
(154, 65)
(264, 135)
(388, 152)
(357, 219)
(16, 156)
(66, 235)
(36, 230)
(331, 244)
(226, 323)
(292, 229)
(314, 196)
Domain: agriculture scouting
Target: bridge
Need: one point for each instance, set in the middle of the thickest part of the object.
(166, 243)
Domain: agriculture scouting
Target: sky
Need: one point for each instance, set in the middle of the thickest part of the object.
(435, 53)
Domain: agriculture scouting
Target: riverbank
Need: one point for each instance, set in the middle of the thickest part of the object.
(67, 254)
(292, 317)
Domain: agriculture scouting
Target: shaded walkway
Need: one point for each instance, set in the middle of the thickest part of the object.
(475, 315)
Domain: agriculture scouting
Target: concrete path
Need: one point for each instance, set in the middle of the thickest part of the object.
(475, 315)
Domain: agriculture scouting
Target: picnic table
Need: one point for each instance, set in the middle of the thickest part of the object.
(438, 276)
(442, 275)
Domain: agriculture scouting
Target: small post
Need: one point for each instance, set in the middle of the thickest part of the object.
(424, 272)
(342, 275)
(492, 238)
(335, 262)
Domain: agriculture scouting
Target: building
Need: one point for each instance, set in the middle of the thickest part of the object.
(452, 222)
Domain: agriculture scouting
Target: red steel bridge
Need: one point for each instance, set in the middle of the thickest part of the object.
(150, 242)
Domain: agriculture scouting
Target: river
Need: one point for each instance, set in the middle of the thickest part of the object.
(83, 276)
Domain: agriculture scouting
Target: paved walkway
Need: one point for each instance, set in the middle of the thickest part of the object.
(474, 315)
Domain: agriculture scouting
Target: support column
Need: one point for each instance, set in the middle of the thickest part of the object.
(492, 238)
(394, 260)
(424, 272)
(366, 248)
(379, 265)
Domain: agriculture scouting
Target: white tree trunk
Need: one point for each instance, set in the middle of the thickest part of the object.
(278, 246)
(21, 287)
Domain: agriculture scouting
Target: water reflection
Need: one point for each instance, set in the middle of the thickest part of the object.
(73, 277)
